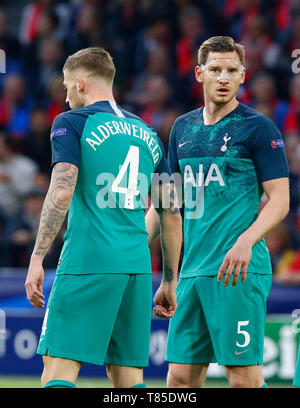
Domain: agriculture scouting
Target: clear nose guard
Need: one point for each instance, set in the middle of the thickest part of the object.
(225, 73)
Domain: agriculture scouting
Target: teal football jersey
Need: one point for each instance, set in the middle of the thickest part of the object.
(223, 166)
(117, 154)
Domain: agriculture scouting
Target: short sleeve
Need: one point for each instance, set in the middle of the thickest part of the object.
(65, 141)
(172, 151)
(268, 151)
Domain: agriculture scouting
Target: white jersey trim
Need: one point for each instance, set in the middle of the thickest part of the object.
(116, 109)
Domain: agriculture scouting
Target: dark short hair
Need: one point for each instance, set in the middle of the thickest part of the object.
(96, 60)
(220, 44)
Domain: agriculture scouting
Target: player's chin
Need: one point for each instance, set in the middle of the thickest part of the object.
(223, 98)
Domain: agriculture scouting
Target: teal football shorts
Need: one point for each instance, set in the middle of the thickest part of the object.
(296, 381)
(99, 318)
(214, 323)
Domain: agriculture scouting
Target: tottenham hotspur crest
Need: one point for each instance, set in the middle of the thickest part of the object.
(225, 138)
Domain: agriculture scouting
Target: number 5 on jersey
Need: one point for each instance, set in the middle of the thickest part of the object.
(131, 161)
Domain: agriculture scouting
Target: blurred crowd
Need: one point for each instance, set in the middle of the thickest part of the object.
(154, 45)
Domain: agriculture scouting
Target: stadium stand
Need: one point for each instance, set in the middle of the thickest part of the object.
(154, 47)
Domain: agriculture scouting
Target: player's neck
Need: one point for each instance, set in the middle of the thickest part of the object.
(212, 112)
(103, 96)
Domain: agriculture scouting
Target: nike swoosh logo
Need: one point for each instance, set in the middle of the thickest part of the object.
(237, 353)
(182, 144)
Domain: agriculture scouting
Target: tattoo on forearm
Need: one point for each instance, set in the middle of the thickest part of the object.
(168, 202)
(168, 274)
(56, 205)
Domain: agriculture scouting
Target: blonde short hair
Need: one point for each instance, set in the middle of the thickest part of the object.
(97, 61)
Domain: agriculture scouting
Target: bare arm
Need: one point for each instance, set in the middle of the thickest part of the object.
(171, 240)
(152, 224)
(166, 221)
(273, 212)
(176, 199)
(55, 207)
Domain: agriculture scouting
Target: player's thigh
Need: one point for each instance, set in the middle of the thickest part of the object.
(59, 369)
(186, 375)
(188, 337)
(235, 317)
(130, 340)
(80, 316)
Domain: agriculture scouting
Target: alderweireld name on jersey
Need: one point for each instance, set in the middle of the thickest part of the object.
(113, 127)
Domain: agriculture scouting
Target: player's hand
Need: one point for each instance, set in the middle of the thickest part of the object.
(34, 282)
(236, 259)
(165, 300)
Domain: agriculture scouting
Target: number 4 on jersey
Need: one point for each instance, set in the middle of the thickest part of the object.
(131, 161)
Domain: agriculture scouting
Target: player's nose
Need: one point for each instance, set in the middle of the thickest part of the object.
(223, 80)
(224, 76)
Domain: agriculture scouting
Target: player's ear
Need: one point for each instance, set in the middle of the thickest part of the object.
(80, 83)
(199, 74)
(243, 75)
